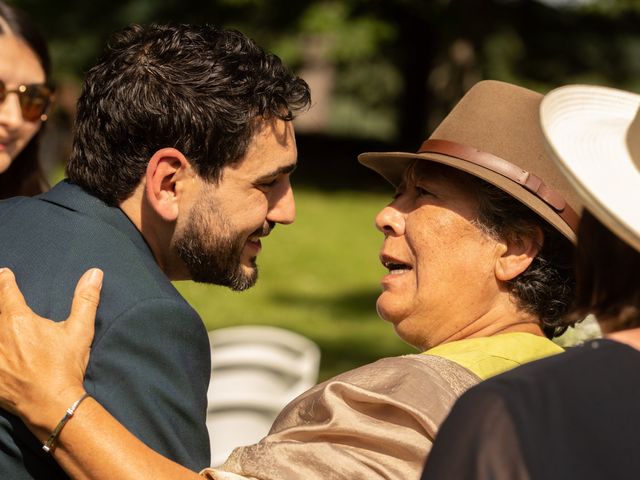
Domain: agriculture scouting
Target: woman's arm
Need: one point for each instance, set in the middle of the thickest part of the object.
(478, 440)
(94, 446)
(42, 364)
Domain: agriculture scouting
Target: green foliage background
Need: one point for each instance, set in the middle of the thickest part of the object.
(400, 64)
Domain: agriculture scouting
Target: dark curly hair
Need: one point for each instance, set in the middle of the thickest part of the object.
(198, 88)
(546, 288)
(25, 175)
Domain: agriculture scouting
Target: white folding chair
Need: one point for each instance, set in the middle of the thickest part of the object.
(255, 372)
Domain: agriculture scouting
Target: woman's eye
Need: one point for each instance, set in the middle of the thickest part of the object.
(423, 191)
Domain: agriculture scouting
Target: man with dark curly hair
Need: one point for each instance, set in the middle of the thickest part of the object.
(182, 153)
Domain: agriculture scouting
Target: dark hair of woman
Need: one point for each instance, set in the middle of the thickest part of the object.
(607, 275)
(25, 175)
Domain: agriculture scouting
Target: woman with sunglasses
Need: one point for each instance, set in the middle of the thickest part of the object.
(25, 95)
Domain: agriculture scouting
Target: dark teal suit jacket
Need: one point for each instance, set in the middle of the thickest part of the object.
(150, 361)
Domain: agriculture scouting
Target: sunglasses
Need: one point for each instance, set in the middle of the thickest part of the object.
(34, 100)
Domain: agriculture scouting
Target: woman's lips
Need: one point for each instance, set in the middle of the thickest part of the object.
(395, 266)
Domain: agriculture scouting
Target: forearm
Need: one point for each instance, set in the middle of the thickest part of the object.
(93, 445)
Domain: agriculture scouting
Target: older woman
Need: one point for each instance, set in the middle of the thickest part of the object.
(574, 415)
(477, 242)
(25, 96)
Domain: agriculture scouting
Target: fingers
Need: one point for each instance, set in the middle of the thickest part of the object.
(85, 303)
(11, 298)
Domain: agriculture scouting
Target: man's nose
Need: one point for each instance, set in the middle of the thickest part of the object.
(283, 209)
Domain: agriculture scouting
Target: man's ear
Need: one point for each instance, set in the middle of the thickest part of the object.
(166, 168)
(518, 253)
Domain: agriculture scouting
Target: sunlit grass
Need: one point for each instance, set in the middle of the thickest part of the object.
(319, 277)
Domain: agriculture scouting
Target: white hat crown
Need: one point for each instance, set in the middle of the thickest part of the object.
(594, 135)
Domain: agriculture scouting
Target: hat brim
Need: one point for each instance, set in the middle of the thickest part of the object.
(391, 166)
(586, 128)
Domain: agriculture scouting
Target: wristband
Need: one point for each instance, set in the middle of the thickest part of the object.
(48, 445)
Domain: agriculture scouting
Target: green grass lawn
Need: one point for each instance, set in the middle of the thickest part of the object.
(319, 277)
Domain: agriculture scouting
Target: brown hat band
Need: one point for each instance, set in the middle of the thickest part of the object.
(528, 180)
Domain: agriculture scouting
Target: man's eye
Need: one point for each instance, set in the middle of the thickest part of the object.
(268, 184)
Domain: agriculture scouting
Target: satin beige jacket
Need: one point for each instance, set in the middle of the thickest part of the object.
(375, 422)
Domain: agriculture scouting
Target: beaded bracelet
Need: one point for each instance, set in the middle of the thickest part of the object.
(48, 445)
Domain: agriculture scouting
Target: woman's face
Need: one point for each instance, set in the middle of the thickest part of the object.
(441, 264)
(19, 65)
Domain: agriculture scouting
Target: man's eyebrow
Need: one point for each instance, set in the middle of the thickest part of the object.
(279, 171)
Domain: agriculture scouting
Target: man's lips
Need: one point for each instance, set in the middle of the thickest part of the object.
(255, 242)
(254, 239)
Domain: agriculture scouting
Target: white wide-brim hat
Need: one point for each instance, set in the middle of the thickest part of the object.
(594, 135)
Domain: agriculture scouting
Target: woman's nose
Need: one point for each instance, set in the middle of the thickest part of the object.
(390, 221)
(10, 112)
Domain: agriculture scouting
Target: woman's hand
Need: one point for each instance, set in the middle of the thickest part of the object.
(43, 362)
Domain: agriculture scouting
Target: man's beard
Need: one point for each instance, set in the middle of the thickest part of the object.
(212, 250)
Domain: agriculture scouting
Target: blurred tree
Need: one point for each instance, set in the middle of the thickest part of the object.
(386, 69)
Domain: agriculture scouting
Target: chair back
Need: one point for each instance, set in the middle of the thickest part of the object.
(255, 372)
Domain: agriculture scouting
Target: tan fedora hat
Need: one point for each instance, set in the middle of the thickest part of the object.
(594, 134)
(494, 133)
